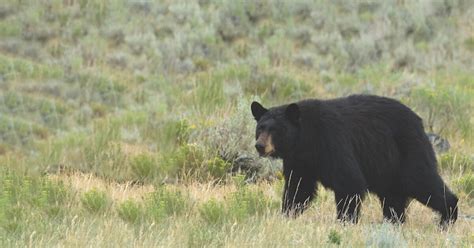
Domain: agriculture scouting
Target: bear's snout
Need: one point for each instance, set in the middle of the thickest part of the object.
(260, 148)
(264, 144)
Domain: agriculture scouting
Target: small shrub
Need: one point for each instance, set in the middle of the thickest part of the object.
(239, 180)
(176, 131)
(245, 203)
(190, 161)
(466, 184)
(12, 218)
(9, 29)
(50, 197)
(334, 237)
(143, 167)
(258, 10)
(209, 93)
(276, 87)
(444, 109)
(385, 235)
(456, 162)
(130, 211)
(469, 43)
(230, 141)
(164, 202)
(205, 236)
(186, 162)
(103, 154)
(217, 167)
(233, 21)
(23, 69)
(213, 212)
(27, 202)
(95, 201)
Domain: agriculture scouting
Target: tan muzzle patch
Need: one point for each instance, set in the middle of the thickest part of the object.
(266, 139)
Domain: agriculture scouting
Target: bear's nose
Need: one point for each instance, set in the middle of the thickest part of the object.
(260, 148)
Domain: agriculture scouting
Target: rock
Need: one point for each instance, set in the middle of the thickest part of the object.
(439, 143)
(256, 168)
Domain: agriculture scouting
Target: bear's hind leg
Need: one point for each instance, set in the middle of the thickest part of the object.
(432, 191)
(421, 179)
(443, 201)
(394, 208)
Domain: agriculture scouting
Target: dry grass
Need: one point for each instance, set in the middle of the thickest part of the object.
(312, 229)
(118, 192)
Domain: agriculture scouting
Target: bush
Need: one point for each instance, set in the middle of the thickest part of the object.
(386, 235)
(231, 141)
(207, 236)
(95, 201)
(245, 203)
(456, 162)
(233, 21)
(24, 69)
(130, 211)
(213, 211)
(334, 237)
(217, 168)
(27, 202)
(164, 203)
(191, 162)
(143, 167)
(466, 184)
(176, 132)
(185, 163)
(275, 87)
(445, 109)
(209, 93)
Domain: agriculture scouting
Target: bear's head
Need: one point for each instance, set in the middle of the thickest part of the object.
(277, 129)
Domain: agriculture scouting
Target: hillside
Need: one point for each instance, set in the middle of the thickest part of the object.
(129, 123)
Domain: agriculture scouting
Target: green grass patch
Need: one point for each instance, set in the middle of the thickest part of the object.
(213, 212)
(191, 162)
(95, 201)
(455, 162)
(16, 69)
(25, 201)
(9, 28)
(465, 184)
(18, 132)
(246, 202)
(143, 167)
(334, 237)
(130, 211)
(446, 109)
(164, 202)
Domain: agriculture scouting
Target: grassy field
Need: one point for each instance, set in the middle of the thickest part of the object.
(128, 123)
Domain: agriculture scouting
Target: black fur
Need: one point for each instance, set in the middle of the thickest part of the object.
(353, 145)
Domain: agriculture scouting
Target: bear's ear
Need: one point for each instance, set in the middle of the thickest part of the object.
(292, 112)
(258, 110)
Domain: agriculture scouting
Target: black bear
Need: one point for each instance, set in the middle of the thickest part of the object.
(353, 145)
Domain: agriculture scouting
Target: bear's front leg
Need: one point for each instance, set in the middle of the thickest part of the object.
(299, 190)
(349, 186)
(348, 206)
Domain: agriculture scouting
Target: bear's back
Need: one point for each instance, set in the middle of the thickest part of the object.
(372, 126)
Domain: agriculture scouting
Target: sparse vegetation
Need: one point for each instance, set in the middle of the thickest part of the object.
(94, 201)
(130, 211)
(334, 237)
(128, 122)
